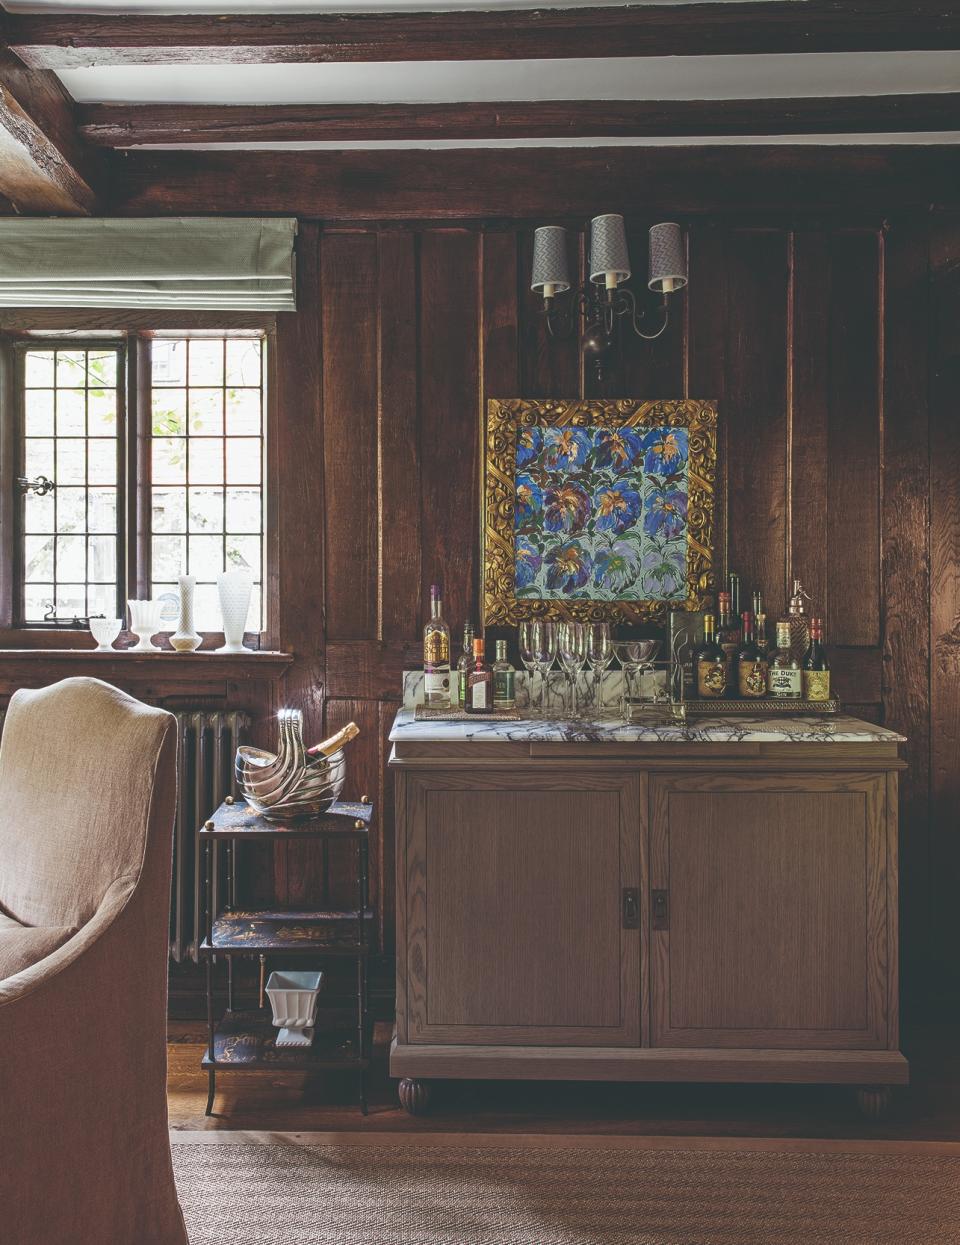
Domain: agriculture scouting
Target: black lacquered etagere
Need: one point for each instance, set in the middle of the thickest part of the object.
(245, 1040)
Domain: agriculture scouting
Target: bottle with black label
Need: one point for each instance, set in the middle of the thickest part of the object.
(816, 668)
(785, 676)
(711, 664)
(752, 668)
(504, 679)
(479, 683)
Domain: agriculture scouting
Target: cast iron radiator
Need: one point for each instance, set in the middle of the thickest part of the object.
(208, 742)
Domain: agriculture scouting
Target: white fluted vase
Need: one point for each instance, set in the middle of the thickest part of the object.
(234, 588)
(186, 638)
(144, 623)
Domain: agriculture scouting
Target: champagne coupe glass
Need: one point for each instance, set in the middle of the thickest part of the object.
(545, 650)
(573, 653)
(599, 655)
(528, 655)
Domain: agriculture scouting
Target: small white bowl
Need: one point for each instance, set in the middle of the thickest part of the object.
(105, 631)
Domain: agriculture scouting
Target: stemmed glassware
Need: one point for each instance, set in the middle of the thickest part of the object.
(573, 653)
(599, 655)
(528, 655)
(544, 640)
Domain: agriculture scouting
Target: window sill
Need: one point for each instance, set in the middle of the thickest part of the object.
(23, 666)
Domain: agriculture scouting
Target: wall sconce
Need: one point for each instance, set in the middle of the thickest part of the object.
(604, 300)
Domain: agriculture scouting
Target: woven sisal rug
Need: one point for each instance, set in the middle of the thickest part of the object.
(286, 1189)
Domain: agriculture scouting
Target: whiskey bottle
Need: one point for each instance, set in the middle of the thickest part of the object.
(479, 683)
(504, 680)
(785, 680)
(728, 637)
(760, 624)
(752, 667)
(436, 654)
(711, 664)
(464, 664)
(816, 668)
(796, 616)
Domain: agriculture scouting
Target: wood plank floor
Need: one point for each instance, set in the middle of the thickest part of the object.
(928, 1111)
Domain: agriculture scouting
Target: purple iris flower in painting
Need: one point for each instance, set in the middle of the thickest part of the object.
(666, 513)
(568, 567)
(529, 500)
(565, 449)
(616, 567)
(566, 508)
(617, 447)
(665, 450)
(527, 561)
(666, 568)
(529, 445)
(616, 507)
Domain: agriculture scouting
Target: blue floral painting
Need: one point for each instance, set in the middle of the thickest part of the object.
(600, 513)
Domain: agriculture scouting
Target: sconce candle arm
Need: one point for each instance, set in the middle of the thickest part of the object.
(625, 304)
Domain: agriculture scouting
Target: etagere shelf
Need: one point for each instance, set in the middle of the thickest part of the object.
(242, 1040)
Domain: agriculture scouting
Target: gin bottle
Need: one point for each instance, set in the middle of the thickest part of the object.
(436, 653)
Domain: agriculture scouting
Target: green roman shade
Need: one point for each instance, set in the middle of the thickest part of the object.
(200, 263)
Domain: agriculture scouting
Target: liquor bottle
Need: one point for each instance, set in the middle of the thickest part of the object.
(436, 654)
(816, 668)
(752, 667)
(479, 683)
(733, 588)
(464, 663)
(711, 664)
(796, 616)
(785, 680)
(504, 680)
(728, 637)
(760, 624)
(335, 742)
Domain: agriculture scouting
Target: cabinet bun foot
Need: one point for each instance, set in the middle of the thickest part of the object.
(414, 1096)
(874, 1101)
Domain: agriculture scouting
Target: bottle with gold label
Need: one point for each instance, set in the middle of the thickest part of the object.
(799, 621)
(436, 653)
(752, 666)
(728, 637)
(785, 674)
(816, 668)
(711, 663)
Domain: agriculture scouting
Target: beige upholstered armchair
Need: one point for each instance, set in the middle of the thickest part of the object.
(87, 795)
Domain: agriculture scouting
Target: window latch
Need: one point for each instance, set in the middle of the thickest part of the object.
(41, 485)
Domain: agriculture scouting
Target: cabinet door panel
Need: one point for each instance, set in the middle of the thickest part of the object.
(515, 910)
(777, 927)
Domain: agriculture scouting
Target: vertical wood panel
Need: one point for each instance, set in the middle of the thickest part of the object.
(853, 456)
(548, 368)
(398, 513)
(363, 769)
(449, 440)
(650, 369)
(350, 281)
(754, 409)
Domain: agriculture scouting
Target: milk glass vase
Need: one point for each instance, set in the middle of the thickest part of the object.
(144, 623)
(234, 588)
(186, 638)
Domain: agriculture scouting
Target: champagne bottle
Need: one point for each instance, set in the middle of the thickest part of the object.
(752, 666)
(436, 654)
(479, 683)
(816, 668)
(785, 680)
(464, 664)
(328, 746)
(711, 664)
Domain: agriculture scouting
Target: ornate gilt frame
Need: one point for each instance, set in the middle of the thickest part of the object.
(505, 416)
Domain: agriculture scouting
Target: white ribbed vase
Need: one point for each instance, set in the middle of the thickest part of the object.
(234, 588)
(186, 638)
(144, 623)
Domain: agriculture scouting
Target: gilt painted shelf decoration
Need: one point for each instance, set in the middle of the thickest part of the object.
(597, 509)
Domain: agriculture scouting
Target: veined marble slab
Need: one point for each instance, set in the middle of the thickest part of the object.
(557, 688)
(839, 728)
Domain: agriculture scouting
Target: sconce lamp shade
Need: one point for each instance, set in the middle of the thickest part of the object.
(550, 261)
(608, 250)
(668, 260)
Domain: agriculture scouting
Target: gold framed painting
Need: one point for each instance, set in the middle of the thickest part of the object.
(597, 509)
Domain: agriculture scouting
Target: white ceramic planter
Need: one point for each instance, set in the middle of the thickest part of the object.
(185, 639)
(234, 588)
(144, 623)
(293, 998)
(105, 631)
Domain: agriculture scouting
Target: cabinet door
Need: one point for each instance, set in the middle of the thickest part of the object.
(516, 909)
(769, 912)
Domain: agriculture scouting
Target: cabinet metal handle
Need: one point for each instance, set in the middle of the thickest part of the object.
(631, 908)
(660, 902)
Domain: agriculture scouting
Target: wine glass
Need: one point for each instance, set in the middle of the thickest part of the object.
(635, 656)
(545, 654)
(528, 655)
(599, 655)
(573, 653)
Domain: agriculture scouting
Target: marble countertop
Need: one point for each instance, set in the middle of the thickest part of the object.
(838, 728)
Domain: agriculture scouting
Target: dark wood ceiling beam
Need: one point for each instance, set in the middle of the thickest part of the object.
(73, 40)
(544, 183)
(125, 125)
(43, 165)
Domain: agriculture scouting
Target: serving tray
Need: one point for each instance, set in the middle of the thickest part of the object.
(437, 713)
(766, 707)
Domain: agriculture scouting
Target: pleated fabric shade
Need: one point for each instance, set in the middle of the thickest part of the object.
(198, 263)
